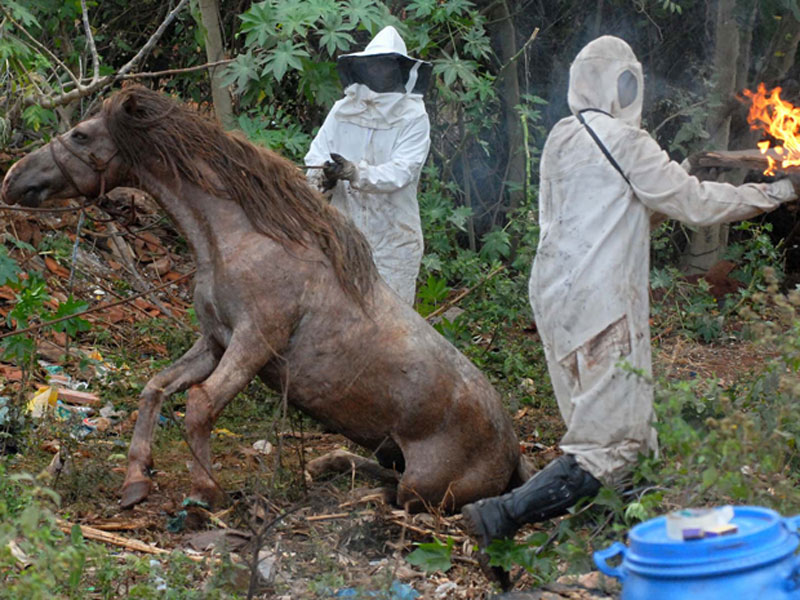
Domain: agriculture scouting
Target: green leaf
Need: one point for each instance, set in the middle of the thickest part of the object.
(454, 8)
(496, 244)
(368, 14)
(319, 83)
(74, 325)
(452, 68)
(459, 217)
(22, 14)
(9, 269)
(421, 8)
(433, 556)
(294, 18)
(241, 71)
(259, 25)
(35, 116)
(476, 43)
(333, 35)
(286, 54)
(75, 535)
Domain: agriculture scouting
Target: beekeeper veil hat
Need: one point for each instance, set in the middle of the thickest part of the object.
(384, 66)
(607, 76)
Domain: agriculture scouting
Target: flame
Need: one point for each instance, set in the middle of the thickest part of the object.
(779, 119)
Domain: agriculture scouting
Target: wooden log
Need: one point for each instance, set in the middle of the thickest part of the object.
(739, 159)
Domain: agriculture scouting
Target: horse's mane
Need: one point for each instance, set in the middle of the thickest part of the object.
(147, 125)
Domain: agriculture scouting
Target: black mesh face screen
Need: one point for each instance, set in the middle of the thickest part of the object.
(383, 72)
(627, 88)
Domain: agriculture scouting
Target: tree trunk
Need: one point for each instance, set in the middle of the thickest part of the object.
(212, 34)
(515, 171)
(783, 50)
(707, 244)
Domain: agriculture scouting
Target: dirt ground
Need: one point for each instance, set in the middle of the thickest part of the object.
(317, 537)
(336, 534)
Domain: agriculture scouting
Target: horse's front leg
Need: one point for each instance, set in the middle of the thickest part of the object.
(244, 357)
(194, 366)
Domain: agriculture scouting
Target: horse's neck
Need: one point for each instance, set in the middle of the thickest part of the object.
(207, 222)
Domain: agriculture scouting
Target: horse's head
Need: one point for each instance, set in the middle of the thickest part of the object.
(82, 162)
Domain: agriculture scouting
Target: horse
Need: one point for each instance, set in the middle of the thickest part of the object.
(285, 290)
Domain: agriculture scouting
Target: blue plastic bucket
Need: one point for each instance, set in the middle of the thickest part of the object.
(757, 562)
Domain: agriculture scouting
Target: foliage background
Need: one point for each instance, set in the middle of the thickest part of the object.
(498, 89)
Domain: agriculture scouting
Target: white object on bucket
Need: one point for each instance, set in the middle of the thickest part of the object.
(697, 518)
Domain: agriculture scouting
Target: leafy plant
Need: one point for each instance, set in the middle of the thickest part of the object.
(432, 556)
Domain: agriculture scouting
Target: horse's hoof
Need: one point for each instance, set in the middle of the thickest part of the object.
(134, 492)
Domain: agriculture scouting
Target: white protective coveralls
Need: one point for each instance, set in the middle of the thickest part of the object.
(589, 282)
(387, 136)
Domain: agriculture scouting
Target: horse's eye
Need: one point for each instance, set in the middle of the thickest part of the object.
(79, 136)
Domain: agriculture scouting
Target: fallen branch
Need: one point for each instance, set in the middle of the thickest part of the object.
(99, 535)
(342, 515)
(447, 305)
(129, 525)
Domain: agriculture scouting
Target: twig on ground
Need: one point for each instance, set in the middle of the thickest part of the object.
(447, 305)
(99, 535)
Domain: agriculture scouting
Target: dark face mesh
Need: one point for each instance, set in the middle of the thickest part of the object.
(382, 72)
(627, 88)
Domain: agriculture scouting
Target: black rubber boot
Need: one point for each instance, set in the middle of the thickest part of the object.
(548, 494)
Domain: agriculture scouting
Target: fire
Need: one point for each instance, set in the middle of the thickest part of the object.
(781, 120)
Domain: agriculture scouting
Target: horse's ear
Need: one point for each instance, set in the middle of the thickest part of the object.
(130, 104)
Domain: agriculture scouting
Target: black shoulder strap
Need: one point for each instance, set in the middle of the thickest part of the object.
(599, 143)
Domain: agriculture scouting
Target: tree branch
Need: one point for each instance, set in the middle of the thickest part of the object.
(152, 41)
(97, 82)
(90, 42)
(178, 71)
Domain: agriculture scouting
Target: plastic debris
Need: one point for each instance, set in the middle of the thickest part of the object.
(158, 581)
(67, 411)
(177, 523)
(5, 403)
(397, 591)
(692, 533)
(728, 529)
(266, 565)
(193, 502)
(696, 518)
(43, 400)
(226, 432)
(262, 446)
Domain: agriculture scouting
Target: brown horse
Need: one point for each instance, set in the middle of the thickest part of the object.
(286, 290)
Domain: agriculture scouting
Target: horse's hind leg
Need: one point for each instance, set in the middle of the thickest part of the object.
(438, 477)
(238, 366)
(192, 367)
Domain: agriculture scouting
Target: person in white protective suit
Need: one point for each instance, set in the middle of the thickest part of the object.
(602, 180)
(373, 144)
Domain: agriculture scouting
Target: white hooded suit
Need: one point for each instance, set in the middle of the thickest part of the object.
(589, 282)
(387, 136)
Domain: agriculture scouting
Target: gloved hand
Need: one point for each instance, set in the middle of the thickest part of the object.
(338, 168)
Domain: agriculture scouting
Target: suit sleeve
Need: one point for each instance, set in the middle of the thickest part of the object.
(664, 187)
(408, 157)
